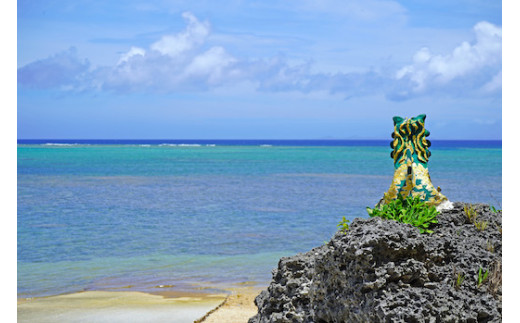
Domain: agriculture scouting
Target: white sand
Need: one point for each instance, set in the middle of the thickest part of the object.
(237, 308)
(114, 307)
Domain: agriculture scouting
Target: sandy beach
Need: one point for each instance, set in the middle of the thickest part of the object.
(131, 306)
(102, 306)
(237, 308)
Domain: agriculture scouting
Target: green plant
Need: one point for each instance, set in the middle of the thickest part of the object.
(343, 225)
(460, 279)
(481, 225)
(471, 213)
(494, 210)
(481, 276)
(409, 210)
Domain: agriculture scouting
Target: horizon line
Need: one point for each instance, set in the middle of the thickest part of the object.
(246, 139)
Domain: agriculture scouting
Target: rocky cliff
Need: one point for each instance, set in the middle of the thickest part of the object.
(385, 271)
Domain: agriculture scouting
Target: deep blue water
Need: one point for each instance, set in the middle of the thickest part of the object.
(100, 214)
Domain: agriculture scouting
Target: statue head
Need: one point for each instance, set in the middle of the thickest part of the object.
(409, 141)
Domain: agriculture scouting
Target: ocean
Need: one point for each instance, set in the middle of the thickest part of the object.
(155, 215)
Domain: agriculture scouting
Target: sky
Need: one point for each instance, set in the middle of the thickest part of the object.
(288, 69)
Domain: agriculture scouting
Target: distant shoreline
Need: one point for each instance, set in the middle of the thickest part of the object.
(258, 142)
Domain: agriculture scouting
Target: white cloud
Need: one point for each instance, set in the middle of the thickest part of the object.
(187, 60)
(494, 85)
(466, 60)
(211, 64)
(194, 35)
(174, 62)
(134, 51)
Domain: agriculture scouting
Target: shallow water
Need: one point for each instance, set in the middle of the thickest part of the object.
(108, 216)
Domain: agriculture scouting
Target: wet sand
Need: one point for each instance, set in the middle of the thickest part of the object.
(103, 306)
(237, 308)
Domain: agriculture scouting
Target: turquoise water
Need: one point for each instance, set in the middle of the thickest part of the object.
(109, 216)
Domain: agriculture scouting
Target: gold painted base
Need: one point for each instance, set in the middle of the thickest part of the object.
(413, 179)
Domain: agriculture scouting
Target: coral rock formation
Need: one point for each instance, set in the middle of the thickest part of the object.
(385, 271)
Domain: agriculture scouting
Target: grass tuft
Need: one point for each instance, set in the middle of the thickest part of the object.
(480, 225)
(482, 276)
(459, 280)
(409, 210)
(470, 212)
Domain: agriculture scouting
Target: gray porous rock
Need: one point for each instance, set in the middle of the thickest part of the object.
(385, 271)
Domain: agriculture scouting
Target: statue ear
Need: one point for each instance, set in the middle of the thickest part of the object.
(397, 120)
(421, 117)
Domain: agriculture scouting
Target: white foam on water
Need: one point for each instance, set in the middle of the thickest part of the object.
(58, 144)
(181, 145)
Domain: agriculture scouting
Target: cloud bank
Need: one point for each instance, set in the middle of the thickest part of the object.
(477, 65)
(184, 61)
(62, 69)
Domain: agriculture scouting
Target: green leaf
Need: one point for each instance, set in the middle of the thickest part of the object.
(408, 210)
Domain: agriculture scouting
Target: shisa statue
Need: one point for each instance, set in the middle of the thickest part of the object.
(410, 154)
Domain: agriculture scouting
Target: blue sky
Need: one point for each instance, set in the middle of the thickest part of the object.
(257, 69)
